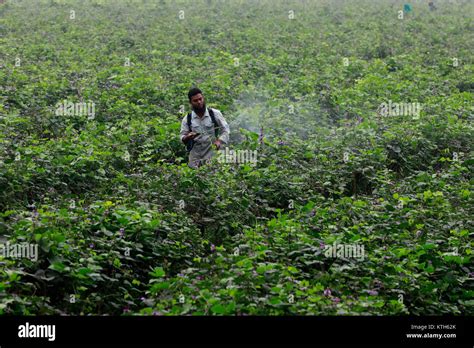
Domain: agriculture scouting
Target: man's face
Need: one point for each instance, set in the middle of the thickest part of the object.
(198, 104)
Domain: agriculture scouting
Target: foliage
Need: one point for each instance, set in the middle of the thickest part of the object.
(125, 227)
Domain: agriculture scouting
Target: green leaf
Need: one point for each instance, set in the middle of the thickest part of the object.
(59, 267)
(158, 272)
(218, 309)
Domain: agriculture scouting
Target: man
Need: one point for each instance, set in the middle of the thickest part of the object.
(203, 129)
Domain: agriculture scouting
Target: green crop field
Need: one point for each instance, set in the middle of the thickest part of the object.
(358, 200)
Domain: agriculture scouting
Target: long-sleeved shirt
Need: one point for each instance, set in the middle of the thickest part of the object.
(202, 149)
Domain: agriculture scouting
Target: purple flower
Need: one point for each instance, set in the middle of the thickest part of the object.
(91, 245)
(327, 292)
(142, 298)
(373, 292)
(261, 136)
(213, 247)
(322, 245)
(336, 300)
(281, 142)
(122, 232)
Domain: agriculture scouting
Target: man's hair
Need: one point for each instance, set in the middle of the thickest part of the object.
(193, 91)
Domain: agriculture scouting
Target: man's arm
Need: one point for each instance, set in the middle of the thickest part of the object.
(185, 133)
(223, 127)
(184, 128)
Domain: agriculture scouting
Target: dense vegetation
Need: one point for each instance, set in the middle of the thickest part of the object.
(125, 227)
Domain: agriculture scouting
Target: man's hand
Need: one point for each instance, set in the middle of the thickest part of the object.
(218, 144)
(190, 136)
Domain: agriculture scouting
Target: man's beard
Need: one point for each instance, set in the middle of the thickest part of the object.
(200, 110)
